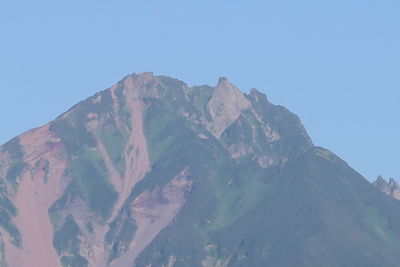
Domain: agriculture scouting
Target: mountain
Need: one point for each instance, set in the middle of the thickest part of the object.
(153, 172)
(391, 187)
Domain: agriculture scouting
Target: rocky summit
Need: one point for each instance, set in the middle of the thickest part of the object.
(391, 187)
(153, 172)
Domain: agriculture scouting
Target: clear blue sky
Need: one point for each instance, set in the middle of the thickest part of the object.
(334, 63)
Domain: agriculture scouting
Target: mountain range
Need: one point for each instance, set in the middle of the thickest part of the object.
(153, 172)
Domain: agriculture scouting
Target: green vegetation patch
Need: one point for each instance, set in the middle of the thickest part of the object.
(7, 224)
(173, 145)
(7, 205)
(90, 183)
(72, 130)
(74, 261)
(172, 91)
(3, 186)
(114, 140)
(14, 149)
(123, 111)
(3, 262)
(160, 129)
(120, 235)
(99, 104)
(14, 173)
(7, 209)
(89, 227)
(66, 241)
(215, 201)
(76, 138)
(200, 95)
(380, 225)
(238, 189)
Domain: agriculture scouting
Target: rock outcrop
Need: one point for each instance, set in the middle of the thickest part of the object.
(391, 187)
(225, 106)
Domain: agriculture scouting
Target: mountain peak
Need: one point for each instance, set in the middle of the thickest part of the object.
(257, 95)
(222, 79)
(224, 85)
(142, 77)
(380, 180)
(391, 187)
(392, 182)
(134, 86)
(132, 176)
(145, 74)
(225, 106)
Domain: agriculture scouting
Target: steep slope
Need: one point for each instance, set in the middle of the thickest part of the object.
(152, 172)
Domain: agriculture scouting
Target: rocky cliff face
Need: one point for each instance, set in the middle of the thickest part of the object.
(391, 187)
(152, 172)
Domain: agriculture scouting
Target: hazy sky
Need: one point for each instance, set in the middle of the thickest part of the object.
(334, 63)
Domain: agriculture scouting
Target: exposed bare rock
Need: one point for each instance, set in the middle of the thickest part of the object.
(225, 106)
(136, 154)
(391, 187)
(39, 188)
(154, 210)
(136, 163)
(133, 176)
(49, 171)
